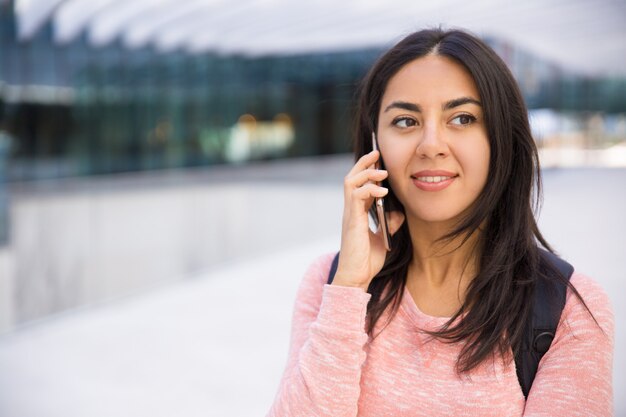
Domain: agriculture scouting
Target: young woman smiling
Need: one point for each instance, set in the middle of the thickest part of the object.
(431, 328)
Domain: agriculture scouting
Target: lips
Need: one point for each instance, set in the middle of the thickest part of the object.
(433, 180)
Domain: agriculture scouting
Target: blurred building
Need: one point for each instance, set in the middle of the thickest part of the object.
(75, 109)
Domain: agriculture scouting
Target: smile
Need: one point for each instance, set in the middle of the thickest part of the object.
(436, 183)
(433, 179)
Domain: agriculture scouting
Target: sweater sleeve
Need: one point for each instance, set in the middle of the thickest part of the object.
(323, 372)
(574, 377)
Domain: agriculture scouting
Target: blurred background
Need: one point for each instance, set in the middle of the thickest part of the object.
(168, 170)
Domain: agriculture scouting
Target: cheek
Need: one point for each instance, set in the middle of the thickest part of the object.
(476, 163)
(397, 161)
(395, 153)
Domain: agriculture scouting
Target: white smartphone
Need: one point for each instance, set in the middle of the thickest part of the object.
(380, 203)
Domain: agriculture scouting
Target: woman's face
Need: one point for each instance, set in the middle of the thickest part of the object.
(433, 139)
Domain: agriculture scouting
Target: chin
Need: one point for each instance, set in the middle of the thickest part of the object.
(436, 215)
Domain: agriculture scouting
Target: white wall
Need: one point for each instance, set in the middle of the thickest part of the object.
(94, 240)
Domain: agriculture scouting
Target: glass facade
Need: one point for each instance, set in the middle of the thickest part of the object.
(75, 110)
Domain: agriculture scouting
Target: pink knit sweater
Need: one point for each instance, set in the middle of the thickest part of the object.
(335, 369)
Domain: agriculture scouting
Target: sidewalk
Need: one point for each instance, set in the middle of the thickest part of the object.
(212, 346)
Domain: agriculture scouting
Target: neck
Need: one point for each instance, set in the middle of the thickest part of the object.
(441, 264)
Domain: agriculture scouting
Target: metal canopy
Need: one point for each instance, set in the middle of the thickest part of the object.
(583, 35)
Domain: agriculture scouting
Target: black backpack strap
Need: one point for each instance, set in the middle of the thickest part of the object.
(333, 269)
(548, 303)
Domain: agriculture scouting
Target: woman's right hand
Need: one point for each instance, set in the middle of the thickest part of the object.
(363, 252)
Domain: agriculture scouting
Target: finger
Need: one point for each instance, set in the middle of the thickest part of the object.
(368, 191)
(361, 178)
(364, 162)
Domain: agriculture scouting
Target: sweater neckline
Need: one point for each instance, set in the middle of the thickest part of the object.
(416, 315)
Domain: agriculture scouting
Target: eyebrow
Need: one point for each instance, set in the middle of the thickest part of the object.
(405, 105)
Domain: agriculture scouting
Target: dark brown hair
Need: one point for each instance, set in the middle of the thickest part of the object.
(508, 258)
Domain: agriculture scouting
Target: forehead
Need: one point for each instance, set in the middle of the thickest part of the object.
(432, 78)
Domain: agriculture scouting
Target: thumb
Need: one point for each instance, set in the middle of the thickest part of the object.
(394, 221)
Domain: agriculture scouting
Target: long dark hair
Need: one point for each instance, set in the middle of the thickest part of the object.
(508, 259)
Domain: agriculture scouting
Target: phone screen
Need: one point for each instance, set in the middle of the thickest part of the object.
(380, 203)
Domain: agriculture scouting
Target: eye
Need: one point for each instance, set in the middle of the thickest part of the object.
(404, 122)
(464, 119)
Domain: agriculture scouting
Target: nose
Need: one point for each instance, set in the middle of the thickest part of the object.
(432, 144)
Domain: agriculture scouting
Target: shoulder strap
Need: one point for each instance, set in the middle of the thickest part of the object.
(548, 303)
(333, 269)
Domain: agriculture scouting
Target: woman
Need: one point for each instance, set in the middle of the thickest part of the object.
(431, 327)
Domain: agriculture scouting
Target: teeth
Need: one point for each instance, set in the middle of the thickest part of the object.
(433, 179)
